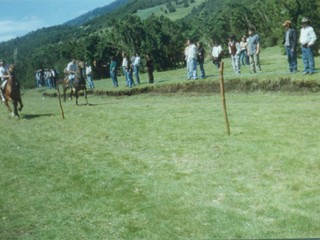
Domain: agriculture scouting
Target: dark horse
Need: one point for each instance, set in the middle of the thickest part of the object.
(12, 92)
(79, 84)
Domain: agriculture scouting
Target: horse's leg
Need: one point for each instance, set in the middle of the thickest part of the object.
(76, 94)
(7, 105)
(15, 109)
(20, 104)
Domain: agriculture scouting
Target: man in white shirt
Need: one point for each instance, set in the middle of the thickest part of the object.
(216, 53)
(191, 53)
(72, 68)
(89, 75)
(307, 40)
(136, 66)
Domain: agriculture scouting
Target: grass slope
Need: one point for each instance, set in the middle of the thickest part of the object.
(180, 12)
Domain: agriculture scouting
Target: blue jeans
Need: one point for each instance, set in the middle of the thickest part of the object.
(292, 59)
(243, 57)
(308, 59)
(90, 81)
(125, 74)
(114, 78)
(202, 72)
(130, 79)
(136, 73)
(192, 69)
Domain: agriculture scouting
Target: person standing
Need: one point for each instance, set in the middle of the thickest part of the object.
(124, 67)
(89, 75)
(216, 53)
(201, 57)
(253, 48)
(290, 44)
(113, 72)
(150, 68)
(234, 51)
(243, 51)
(307, 40)
(191, 53)
(136, 66)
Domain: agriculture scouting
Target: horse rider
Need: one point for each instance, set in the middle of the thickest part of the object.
(4, 77)
(72, 68)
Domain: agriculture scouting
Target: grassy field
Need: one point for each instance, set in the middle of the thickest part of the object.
(161, 167)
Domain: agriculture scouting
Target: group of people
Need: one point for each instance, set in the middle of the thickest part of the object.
(46, 77)
(131, 67)
(243, 52)
(307, 40)
(247, 51)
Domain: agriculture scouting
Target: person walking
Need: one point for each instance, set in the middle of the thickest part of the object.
(307, 40)
(253, 48)
(290, 44)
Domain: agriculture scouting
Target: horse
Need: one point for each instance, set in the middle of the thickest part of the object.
(12, 92)
(78, 84)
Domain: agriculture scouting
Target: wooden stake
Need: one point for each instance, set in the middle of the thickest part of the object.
(59, 97)
(223, 97)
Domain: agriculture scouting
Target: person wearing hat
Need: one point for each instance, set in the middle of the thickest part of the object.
(290, 44)
(307, 40)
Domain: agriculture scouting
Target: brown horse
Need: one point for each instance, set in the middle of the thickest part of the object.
(12, 92)
(79, 84)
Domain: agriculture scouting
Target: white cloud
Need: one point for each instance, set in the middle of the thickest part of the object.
(10, 29)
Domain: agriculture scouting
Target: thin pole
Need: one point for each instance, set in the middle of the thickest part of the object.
(59, 97)
(224, 97)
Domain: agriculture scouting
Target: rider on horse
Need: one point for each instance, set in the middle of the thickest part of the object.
(3, 77)
(72, 68)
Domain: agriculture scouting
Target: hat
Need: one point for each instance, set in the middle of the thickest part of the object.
(305, 20)
(286, 23)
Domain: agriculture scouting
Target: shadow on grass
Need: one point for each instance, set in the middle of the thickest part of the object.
(32, 116)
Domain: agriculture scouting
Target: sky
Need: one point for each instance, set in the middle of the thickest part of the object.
(19, 17)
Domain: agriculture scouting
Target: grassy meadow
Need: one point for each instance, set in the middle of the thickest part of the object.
(161, 166)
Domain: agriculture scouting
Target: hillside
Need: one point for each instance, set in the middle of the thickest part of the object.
(96, 13)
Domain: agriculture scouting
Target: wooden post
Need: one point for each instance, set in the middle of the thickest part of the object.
(223, 97)
(59, 97)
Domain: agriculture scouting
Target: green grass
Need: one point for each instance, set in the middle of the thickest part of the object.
(161, 167)
(158, 11)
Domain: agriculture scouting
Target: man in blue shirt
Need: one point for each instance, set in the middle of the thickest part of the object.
(253, 48)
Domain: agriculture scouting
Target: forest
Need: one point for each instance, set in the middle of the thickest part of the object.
(164, 39)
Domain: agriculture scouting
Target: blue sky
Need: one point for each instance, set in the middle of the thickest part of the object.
(19, 17)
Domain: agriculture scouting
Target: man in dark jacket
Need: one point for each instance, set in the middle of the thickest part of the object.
(290, 44)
